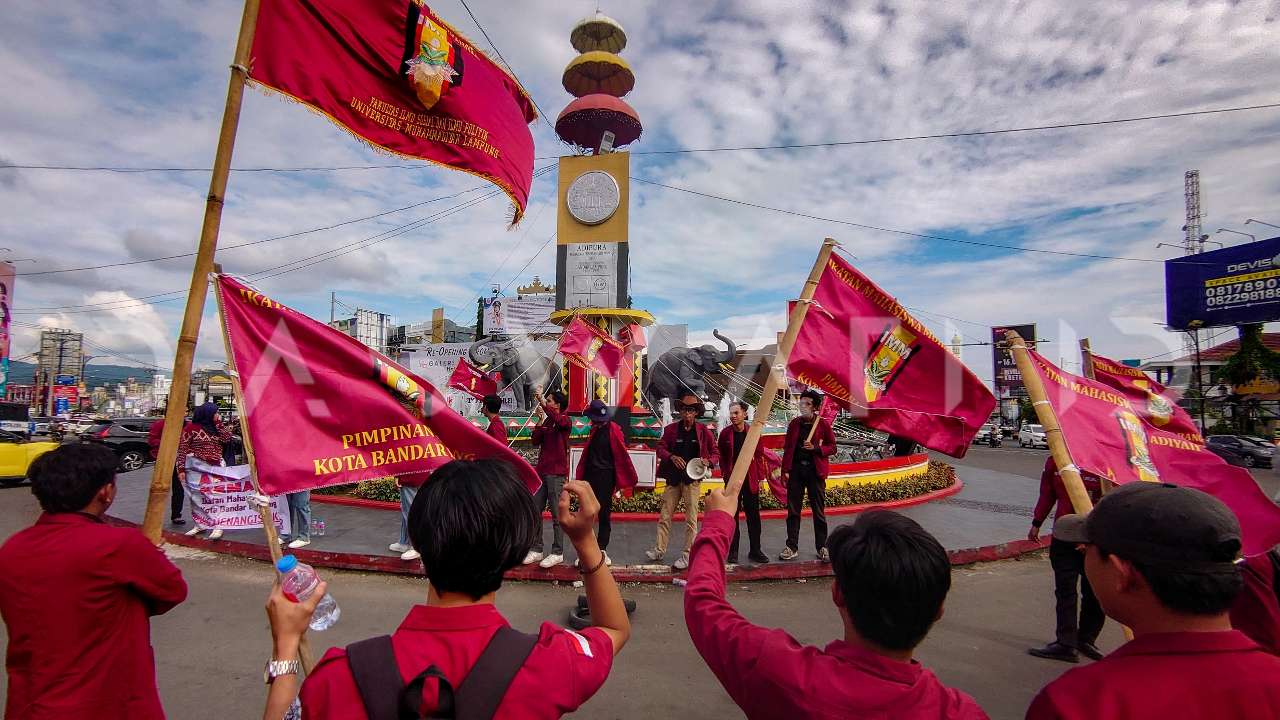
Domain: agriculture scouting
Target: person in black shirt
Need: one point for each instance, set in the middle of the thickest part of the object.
(804, 463)
(682, 441)
(605, 465)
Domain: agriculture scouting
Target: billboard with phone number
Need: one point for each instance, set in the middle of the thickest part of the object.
(1231, 286)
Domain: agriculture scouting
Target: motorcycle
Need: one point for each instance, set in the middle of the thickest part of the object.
(994, 439)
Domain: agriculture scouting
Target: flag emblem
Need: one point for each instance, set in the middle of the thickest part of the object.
(886, 358)
(1136, 439)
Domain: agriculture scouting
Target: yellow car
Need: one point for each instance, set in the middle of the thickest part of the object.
(17, 454)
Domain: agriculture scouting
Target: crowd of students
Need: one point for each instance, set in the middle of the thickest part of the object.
(1160, 559)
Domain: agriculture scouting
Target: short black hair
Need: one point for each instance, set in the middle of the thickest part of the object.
(894, 577)
(66, 478)
(559, 397)
(492, 403)
(472, 521)
(1205, 593)
(813, 395)
(741, 405)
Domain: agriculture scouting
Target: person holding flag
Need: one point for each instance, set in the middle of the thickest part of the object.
(810, 441)
(552, 439)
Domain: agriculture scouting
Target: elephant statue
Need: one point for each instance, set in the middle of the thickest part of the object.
(680, 370)
(519, 365)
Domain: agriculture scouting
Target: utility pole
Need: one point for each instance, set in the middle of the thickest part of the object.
(1192, 244)
(333, 301)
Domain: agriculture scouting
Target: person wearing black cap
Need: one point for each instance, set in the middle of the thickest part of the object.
(1162, 560)
(605, 465)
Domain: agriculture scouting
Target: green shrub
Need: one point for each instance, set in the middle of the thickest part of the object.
(383, 488)
(335, 489)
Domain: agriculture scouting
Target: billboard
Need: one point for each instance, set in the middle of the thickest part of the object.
(6, 302)
(523, 316)
(1231, 286)
(1006, 379)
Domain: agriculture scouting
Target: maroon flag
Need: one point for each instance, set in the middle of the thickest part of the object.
(588, 346)
(472, 380)
(323, 409)
(1109, 437)
(399, 78)
(862, 348)
(1150, 399)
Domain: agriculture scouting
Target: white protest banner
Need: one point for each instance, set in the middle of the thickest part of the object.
(221, 498)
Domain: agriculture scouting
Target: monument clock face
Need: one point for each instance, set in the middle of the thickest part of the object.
(593, 197)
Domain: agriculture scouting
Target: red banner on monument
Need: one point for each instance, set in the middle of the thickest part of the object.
(862, 348)
(588, 346)
(1150, 399)
(323, 409)
(1108, 437)
(395, 75)
(472, 380)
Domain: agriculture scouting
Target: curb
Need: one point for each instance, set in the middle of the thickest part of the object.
(776, 570)
(952, 489)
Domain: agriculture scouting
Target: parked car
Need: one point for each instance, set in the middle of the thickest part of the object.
(1230, 454)
(126, 436)
(16, 455)
(43, 424)
(1250, 453)
(1033, 436)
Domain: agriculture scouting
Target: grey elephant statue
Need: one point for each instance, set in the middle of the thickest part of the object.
(519, 365)
(681, 370)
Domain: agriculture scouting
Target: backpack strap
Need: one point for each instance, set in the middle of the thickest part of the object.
(377, 676)
(486, 683)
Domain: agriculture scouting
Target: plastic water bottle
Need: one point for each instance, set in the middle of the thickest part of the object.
(317, 527)
(298, 581)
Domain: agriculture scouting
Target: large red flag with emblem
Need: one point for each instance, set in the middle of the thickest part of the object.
(472, 380)
(396, 76)
(1108, 436)
(862, 348)
(588, 346)
(1150, 399)
(323, 409)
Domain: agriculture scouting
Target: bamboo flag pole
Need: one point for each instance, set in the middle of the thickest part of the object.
(1086, 364)
(1053, 432)
(778, 372)
(176, 410)
(264, 511)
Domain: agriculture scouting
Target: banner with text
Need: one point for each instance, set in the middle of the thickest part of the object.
(519, 316)
(323, 409)
(399, 78)
(221, 498)
(1153, 402)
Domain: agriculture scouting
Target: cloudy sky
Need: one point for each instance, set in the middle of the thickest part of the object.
(142, 84)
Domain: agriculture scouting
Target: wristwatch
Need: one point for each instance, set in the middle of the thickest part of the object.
(276, 668)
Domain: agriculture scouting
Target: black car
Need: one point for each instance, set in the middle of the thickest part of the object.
(126, 436)
(1239, 451)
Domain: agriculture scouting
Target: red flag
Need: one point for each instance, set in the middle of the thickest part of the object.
(1150, 399)
(632, 335)
(1108, 437)
(862, 348)
(472, 380)
(588, 346)
(323, 409)
(777, 484)
(398, 77)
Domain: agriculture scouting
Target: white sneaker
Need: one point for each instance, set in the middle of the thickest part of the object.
(551, 561)
(653, 554)
(216, 534)
(299, 543)
(531, 557)
(281, 540)
(788, 554)
(681, 562)
(608, 562)
(193, 531)
(396, 547)
(411, 555)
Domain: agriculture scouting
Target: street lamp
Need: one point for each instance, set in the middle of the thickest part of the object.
(1237, 232)
(1251, 220)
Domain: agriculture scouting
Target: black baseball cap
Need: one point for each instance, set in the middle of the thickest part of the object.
(1159, 525)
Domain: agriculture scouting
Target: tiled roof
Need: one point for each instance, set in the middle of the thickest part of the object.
(1220, 353)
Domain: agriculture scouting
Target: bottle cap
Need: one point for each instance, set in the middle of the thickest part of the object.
(287, 563)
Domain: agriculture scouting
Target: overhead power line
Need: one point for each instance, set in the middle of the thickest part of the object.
(510, 69)
(681, 151)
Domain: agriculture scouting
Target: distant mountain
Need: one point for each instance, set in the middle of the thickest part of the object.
(23, 373)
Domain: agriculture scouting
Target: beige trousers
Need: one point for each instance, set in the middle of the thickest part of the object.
(672, 496)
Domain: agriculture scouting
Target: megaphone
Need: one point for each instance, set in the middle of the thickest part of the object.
(697, 469)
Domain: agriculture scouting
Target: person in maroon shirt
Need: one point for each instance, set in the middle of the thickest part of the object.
(472, 521)
(804, 470)
(552, 438)
(1076, 633)
(77, 595)
(682, 441)
(731, 439)
(1256, 611)
(1161, 559)
(496, 429)
(177, 497)
(891, 580)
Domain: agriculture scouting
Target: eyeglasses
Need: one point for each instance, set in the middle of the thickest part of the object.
(690, 408)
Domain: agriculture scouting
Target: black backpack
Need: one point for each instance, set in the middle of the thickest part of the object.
(377, 676)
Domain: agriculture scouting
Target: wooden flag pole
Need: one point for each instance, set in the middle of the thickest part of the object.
(1080, 501)
(777, 374)
(176, 410)
(1086, 365)
(264, 511)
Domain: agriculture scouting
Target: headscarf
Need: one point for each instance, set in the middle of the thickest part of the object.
(204, 416)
